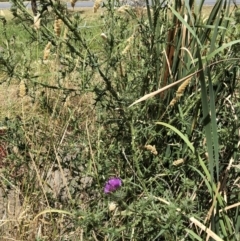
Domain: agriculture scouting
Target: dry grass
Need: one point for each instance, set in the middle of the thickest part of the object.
(19, 209)
(11, 102)
(6, 13)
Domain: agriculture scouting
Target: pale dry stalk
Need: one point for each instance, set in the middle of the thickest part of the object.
(36, 22)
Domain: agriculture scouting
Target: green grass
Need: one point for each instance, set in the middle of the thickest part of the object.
(66, 126)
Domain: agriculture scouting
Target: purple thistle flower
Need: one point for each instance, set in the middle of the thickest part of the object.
(112, 184)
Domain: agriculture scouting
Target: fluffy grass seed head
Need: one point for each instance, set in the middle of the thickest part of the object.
(152, 149)
(22, 89)
(178, 162)
(179, 92)
(47, 51)
(57, 27)
(97, 5)
(182, 87)
(173, 102)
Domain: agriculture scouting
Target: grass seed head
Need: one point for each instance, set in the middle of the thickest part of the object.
(57, 27)
(182, 87)
(178, 162)
(152, 149)
(173, 102)
(22, 89)
(179, 92)
(97, 5)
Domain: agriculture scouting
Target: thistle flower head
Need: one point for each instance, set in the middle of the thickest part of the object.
(112, 185)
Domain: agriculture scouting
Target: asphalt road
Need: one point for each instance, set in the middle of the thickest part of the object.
(82, 4)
